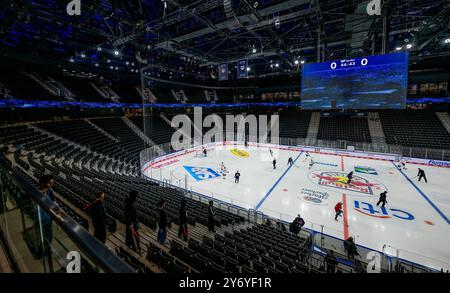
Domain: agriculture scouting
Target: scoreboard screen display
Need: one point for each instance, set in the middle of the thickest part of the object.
(374, 82)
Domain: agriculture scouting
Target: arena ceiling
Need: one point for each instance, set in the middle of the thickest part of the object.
(191, 37)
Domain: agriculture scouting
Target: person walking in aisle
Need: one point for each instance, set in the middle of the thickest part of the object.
(421, 175)
(382, 199)
(236, 177)
(162, 222)
(182, 218)
(290, 161)
(338, 210)
(98, 214)
(132, 237)
(211, 214)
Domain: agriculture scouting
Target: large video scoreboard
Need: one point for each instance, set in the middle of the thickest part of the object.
(373, 82)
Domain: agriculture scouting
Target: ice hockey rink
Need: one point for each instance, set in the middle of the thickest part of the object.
(415, 220)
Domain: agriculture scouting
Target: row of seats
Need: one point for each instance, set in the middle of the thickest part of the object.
(349, 128)
(414, 129)
(132, 261)
(294, 123)
(259, 249)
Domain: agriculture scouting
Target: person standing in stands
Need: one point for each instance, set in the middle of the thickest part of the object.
(132, 238)
(162, 222)
(421, 175)
(350, 248)
(98, 214)
(182, 218)
(296, 226)
(46, 183)
(211, 214)
(331, 262)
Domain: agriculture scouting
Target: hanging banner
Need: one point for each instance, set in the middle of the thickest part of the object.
(223, 72)
(242, 69)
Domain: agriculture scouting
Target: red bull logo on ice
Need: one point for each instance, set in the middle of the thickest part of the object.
(338, 180)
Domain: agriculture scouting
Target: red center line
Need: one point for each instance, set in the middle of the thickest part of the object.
(344, 201)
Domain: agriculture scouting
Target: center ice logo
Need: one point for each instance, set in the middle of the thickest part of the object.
(338, 180)
(381, 212)
(201, 173)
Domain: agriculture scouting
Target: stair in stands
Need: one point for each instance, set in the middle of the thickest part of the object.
(101, 130)
(313, 128)
(141, 134)
(445, 119)
(375, 128)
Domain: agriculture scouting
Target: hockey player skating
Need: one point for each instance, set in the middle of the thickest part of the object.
(274, 163)
(290, 161)
(402, 164)
(338, 210)
(204, 153)
(382, 199)
(223, 170)
(236, 177)
(306, 156)
(349, 177)
(421, 174)
(246, 144)
(271, 152)
(311, 164)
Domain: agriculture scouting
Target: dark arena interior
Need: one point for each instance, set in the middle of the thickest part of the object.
(225, 136)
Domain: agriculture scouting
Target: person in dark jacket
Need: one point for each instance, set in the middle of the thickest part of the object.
(296, 226)
(162, 222)
(331, 262)
(349, 177)
(46, 183)
(350, 248)
(382, 199)
(98, 214)
(182, 218)
(290, 161)
(211, 214)
(132, 238)
(237, 175)
(421, 174)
